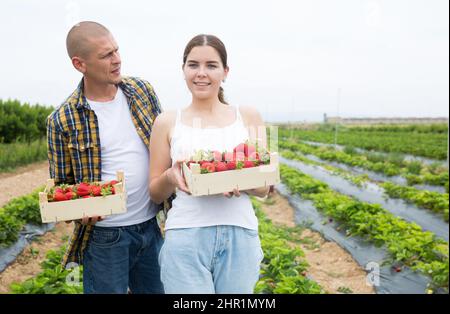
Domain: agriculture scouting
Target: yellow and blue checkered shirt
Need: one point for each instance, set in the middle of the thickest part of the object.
(74, 152)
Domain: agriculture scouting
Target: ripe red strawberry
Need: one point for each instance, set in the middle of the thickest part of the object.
(63, 188)
(221, 166)
(240, 148)
(87, 196)
(248, 164)
(249, 149)
(58, 197)
(217, 155)
(96, 190)
(231, 165)
(70, 196)
(113, 182)
(227, 156)
(66, 188)
(83, 189)
(207, 167)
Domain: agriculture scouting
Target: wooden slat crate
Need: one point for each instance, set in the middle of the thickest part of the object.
(77, 209)
(242, 179)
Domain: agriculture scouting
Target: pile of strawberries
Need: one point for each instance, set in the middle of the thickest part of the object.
(83, 190)
(244, 155)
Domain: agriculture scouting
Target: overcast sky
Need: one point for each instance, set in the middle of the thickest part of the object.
(288, 58)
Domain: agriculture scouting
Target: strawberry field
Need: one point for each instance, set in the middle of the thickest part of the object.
(375, 185)
(380, 195)
(418, 140)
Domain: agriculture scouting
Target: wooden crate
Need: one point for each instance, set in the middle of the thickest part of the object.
(77, 209)
(242, 179)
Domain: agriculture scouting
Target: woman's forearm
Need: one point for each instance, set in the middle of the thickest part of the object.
(161, 188)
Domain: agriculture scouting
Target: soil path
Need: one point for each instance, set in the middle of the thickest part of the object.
(23, 181)
(329, 265)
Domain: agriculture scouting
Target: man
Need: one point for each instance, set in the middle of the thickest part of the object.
(105, 126)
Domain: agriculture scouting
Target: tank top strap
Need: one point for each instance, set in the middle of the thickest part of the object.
(178, 118)
(177, 125)
(238, 115)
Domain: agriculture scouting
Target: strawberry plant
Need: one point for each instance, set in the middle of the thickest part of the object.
(15, 214)
(52, 279)
(9, 228)
(405, 241)
(428, 174)
(437, 202)
(283, 269)
(359, 180)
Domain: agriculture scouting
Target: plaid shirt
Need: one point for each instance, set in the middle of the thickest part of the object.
(74, 152)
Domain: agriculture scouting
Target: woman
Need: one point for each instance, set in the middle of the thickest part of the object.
(211, 242)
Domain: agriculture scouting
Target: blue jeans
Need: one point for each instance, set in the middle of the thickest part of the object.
(217, 259)
(118, 258)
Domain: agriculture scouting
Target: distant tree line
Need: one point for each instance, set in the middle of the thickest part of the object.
(22, 122)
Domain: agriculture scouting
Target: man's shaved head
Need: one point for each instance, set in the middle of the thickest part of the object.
(80, 36)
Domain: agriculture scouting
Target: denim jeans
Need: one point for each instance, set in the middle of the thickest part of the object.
(118, 258)
(217, 259)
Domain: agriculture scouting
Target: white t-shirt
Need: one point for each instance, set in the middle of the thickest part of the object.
(123, 149)
(202, 211)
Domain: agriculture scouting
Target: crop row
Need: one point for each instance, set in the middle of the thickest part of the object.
(431, 145)
(15, 214)
(428, 175)
(406, 242)
(434, 201)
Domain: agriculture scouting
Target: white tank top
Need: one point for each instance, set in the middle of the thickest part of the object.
(202, 211)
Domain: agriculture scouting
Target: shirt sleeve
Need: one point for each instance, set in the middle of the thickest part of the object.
(60, 166)
(156, 105)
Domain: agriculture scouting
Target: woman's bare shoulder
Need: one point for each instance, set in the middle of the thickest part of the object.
(166, 119)
(250, 114)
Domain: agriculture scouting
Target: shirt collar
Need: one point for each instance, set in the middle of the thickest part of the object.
(82, 102)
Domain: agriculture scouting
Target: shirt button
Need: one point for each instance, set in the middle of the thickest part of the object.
(82, 147)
